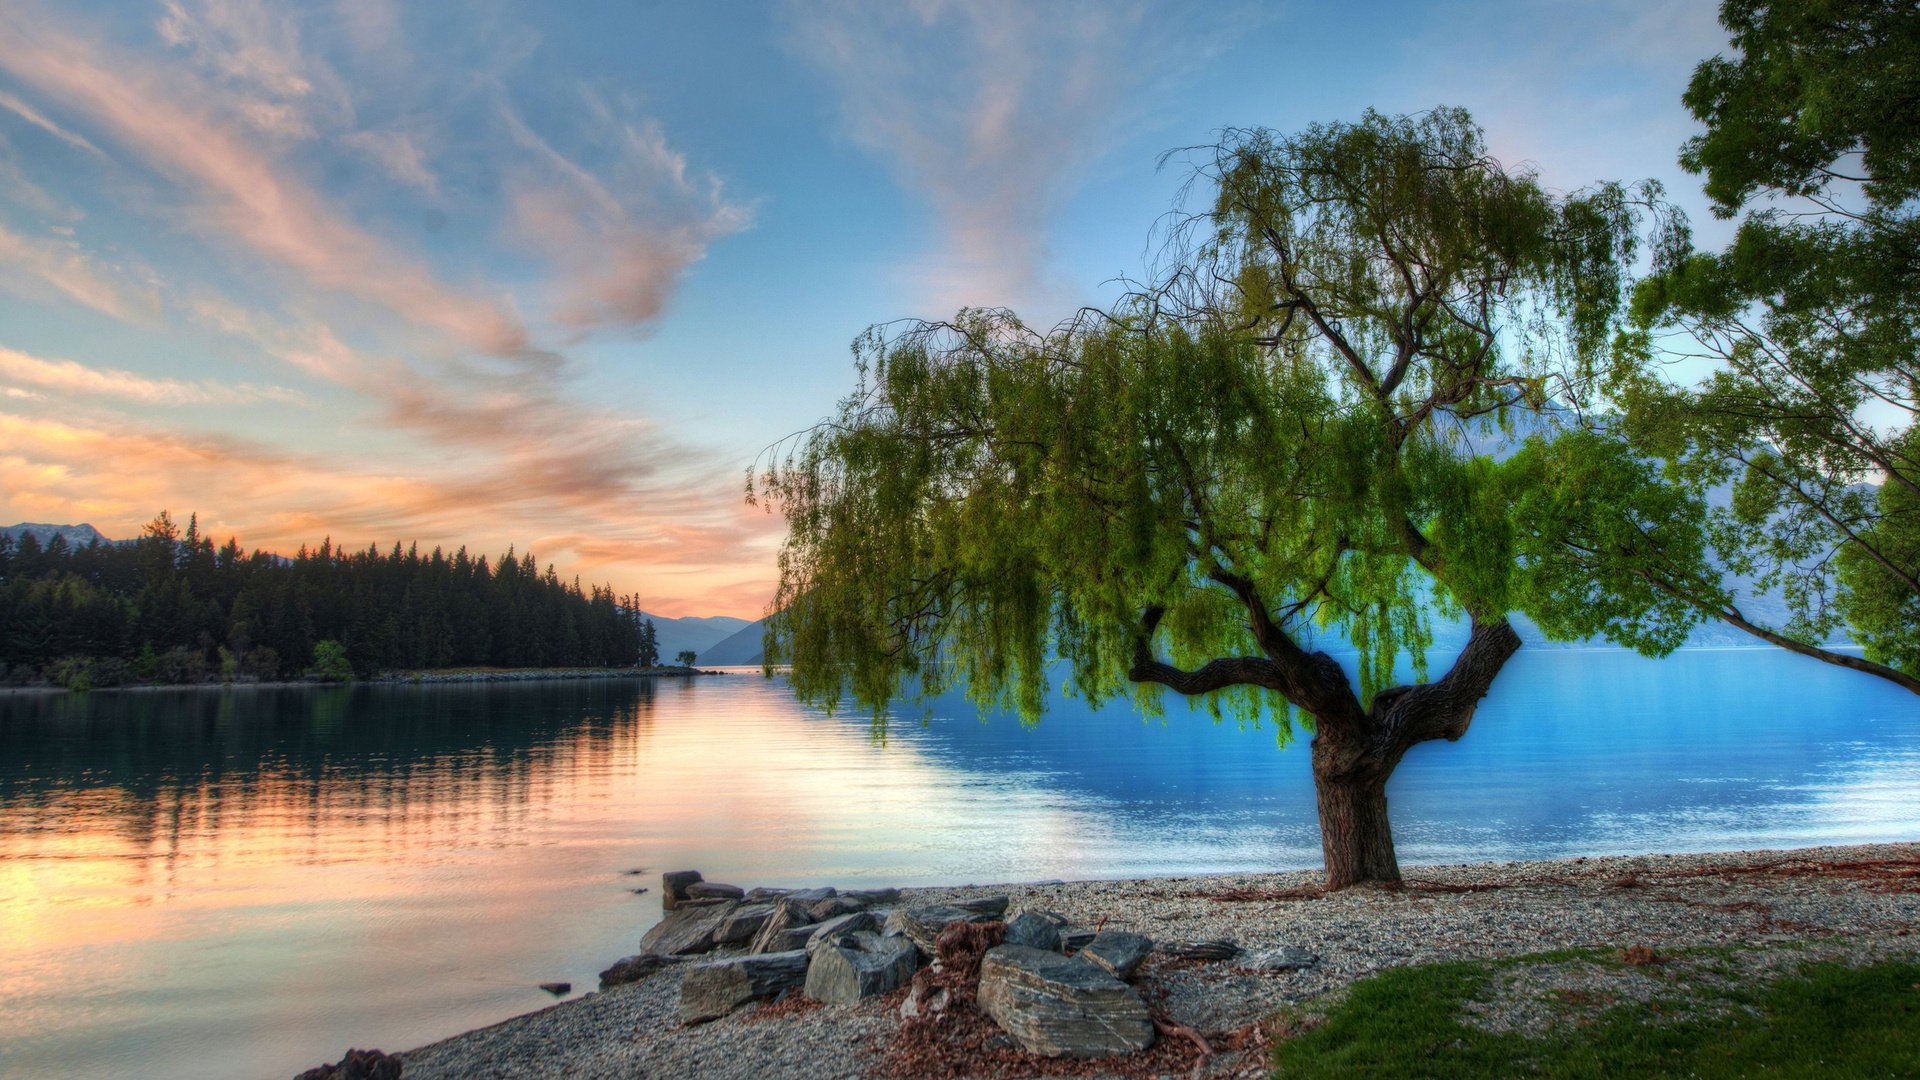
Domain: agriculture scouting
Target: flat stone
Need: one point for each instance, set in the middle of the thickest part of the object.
(994, 907)
(686, 929)
(783, 940)
(743, 924)
(1119, 952)
(1033, 931)
(874, 897)
(812, 896)
(833, 907)
(830, 932)
(714, 890)
(718, 987)
(1061, 1007)
(761, 893)
(557, 988)
(635, 968)
(860, 965)
(1211, 949)
(673, 887)
(1284, 958)
(1075, 938)
(788, 914)
(923, 923)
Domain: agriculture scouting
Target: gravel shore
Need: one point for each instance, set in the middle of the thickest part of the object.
(1857, 903)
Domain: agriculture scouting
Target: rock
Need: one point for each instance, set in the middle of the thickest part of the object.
(1033, 931)
(716, 988)
(788, 914)
(931, 1002)
(1075, 939)
(834, 907)
(859, 965)
(641, 891)
(742, 924)
(831, 931)
(761, 893)
(1217, 949)
(993, 907)
(783, 940)
(1117, 951)
(357, 1065)
(812, 896)
(557, 989)
(635, 872)
(686, 929)
(673, 887)
(1061, 1007)
(714, 890)
(1284, 958)
(635, 968)
(874, 897)
(922, 924)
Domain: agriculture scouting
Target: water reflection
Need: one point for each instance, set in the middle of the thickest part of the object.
(244, 883)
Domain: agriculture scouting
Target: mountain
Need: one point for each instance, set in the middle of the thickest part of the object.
(698, 633)
(77, 536)
(742, 648)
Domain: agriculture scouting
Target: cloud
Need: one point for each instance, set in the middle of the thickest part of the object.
(248, 195)
(73, 273)
(622, 234)
(398, 154)
(68, 377)
(32, 116)
(991, 111)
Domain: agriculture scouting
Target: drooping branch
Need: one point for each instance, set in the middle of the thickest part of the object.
(1442, 709)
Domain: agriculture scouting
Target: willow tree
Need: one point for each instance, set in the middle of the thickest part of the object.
(1291, 444)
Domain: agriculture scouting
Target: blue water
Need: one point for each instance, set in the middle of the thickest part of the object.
(245, 883)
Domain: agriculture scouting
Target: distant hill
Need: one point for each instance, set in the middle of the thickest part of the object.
(743, 648)
(76, 535)
(699, 633)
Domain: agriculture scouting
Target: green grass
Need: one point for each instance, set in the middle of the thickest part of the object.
(1826, 1020)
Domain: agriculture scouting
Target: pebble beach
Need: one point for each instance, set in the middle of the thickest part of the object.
(1760, 909)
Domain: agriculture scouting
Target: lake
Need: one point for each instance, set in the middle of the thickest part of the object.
(244, 883)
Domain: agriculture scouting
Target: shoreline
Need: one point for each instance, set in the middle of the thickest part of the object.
(411, 678)
(1755, 906)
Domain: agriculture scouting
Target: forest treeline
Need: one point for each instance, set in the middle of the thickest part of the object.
(171, 607)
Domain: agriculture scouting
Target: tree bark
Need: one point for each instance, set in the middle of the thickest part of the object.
(1356, 839)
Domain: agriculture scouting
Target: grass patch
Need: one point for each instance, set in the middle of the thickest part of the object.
(1824, 1020)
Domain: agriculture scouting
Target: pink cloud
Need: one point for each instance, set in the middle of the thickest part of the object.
(73, 273)
(68, 377)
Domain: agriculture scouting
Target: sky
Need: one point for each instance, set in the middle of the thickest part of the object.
(555, 274)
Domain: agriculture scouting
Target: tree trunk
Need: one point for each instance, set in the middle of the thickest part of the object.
(1355, 836)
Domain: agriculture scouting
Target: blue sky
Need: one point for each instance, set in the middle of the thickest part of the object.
(552, 274)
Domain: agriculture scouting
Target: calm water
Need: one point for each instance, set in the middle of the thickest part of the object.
(244, 884)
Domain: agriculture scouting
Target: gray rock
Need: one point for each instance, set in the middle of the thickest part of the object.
(874, 897)
(714, 890)
(812, 896)
(1034, 931)
(716, 988)
(782, 940)
(788, 914)
(673, 887)
(1213, 949)
(833, 907)
(1284, 958)
(993, 907)
(831, 931)
(761, 894)
(922, 924)
(686, 929)
(635, 968)
(1061, 1007)
(742, 924)
(1117, 951)
(557, 989)
(932, 1003)
(1076, 938)
(860, 965)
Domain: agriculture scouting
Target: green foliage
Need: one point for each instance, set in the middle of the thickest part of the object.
(330, 663)
(1825, 1020)
(1810, 316)
(1215, 472)
(686, 657)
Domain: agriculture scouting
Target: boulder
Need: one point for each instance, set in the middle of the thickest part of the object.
(761, 894)
(1061, 1007)
(1284, 958)
(357, 1065)
(673, 887)
(922, 924)
(714, 890)
(831, 931)
(716, 988)
(874, 897)
(634, 968)
(1075, 938)
(686, 929)
(1034, 931)
(557, 989)
(1210, 949)
(834, 907)
(782, 940)
(742, 924)
(859, 965)
(993, 907)
(788, 914)
(812, 896)
(1117, 951)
